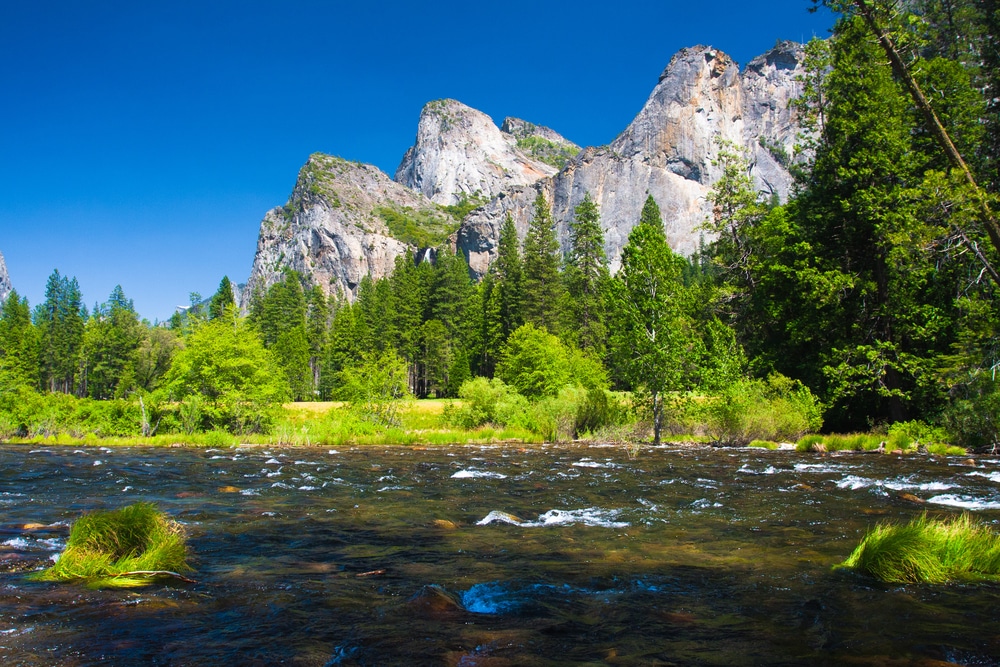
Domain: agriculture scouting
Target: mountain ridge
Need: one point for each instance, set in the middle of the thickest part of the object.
(345, 220)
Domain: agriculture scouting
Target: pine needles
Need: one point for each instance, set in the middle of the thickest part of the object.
(928, 550)
(120, 549)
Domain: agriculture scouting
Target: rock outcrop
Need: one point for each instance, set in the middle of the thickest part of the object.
(459, 153)
(5, 286)
(667, 151)
(346, 220)
(343, 221)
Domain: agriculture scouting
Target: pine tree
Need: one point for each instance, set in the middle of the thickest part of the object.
(18, 344)
(503, 295)
(653, 342)
(60, 319)
(542, 294)
(280, 317)
(111, 341)
(222, 299)
(587, 276)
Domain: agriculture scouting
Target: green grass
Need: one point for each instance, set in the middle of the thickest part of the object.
(928, 550)
(122, 548)
(763, 444)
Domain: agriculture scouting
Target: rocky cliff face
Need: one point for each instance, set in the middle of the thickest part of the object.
(343, 221)
(460, 153)
(346, 220)
(667, 151)
(5, 286)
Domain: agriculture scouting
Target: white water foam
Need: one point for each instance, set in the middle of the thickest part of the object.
(473, 474)
(854, 483)
(590, 516)
(992, 476)
(769, 470)
(589, 463)
(817, 467)
(965, 502)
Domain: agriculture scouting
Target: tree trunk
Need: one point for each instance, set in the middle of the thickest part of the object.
(657, 417)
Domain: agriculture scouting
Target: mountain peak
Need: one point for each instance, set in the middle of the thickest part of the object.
(459, 154)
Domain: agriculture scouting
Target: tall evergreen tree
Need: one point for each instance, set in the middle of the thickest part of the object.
(111, 341)
(587, 276)
(502, 291)
(542, 292)
(653, 341)
(222, 299)
(60, 319)
(18, 344)
(280, 317)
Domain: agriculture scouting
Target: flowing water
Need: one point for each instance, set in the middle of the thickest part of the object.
(545, 555)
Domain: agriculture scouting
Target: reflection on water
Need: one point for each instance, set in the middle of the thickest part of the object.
(548, 555)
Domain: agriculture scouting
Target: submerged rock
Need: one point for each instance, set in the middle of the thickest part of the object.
(433, 601)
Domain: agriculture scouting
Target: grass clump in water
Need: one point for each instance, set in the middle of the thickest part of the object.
(926, 550)
(121, 548)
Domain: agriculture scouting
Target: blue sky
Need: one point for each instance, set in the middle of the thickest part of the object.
(143, 142)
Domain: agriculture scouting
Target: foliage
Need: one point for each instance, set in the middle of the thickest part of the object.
(60, 321)
(122, 548)
(222, 299)
(226, 365)
(598, 410)
(111, 340)
(466, 205)
(503, 307)
(587, 277)
(774, 409)
(927, 550)
(542, 289)
(376, 388)
(537, 363)
(423, 228)
(653, 339)
(19, 344)
(547, 151)
(486, 401)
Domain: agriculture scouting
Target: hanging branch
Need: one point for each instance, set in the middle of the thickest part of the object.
(867, 13)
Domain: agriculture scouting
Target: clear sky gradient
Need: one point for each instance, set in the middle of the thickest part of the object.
(142, 142)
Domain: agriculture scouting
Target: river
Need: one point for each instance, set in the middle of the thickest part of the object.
(492, 556)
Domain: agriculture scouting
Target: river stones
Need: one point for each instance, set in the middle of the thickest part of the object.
(433, 601)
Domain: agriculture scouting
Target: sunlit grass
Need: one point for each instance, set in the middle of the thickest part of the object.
(929, 551)
(122, 548)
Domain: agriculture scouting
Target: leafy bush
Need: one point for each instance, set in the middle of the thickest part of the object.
(600, 409)
(973, 418)
(928, 550)
(487, 401)
(537, 364)
(123, 548)
(377, 388)
(239, 382)
(913, 434)
(777, 409)
(554, 417)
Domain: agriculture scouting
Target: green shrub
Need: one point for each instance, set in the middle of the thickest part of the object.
(599, 409)
(487, 401)
(774, 409)
(122, 548)
(973, 416)
(928, 550)
(537, 364)
(913, 434)
(554, 417)
(377, 389)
